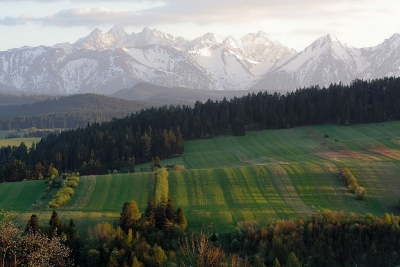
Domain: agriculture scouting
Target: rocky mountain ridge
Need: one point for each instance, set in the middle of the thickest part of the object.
(107, 62)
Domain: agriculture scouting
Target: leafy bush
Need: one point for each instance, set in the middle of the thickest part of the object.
(360, 193)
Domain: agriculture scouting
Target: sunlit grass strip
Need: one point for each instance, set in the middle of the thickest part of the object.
(111, 191)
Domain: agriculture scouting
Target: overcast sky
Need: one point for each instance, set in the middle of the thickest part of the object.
(294, 23)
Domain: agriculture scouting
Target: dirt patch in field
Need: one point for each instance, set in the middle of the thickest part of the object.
(339, 154)
(384, 151)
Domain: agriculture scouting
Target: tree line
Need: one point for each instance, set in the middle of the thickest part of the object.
(325, 239)
(141, 136)
(157, 238)
(137, 239)
(70, 120)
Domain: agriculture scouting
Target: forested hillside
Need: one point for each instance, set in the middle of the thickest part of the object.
(66, 111)
(138, 138)
(11, 99)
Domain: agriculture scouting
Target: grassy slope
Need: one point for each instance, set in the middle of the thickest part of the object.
(287, 173)
(20, 196)
(15, 141)
(263, 176)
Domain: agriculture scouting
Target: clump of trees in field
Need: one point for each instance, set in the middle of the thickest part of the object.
(348, 179)
(66, 189)
(140, 239)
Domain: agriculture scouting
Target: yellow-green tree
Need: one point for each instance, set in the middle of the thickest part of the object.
(292, 260)
(129, 216)
(159, 256)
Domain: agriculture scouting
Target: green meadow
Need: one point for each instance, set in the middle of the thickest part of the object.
(263, 176)
(15, 141)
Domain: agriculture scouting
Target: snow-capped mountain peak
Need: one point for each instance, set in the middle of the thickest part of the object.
(323, 41)
(231, 43)
(258, 47)
(97, 40)
(119, 31)
(106, 62)
(207, 40)
(393, 41)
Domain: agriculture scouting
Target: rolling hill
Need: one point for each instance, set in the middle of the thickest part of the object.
(71, 103)
(162, 95)
(263, 176)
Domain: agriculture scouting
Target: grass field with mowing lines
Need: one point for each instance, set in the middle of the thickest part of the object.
(263, 176)
(20, 196)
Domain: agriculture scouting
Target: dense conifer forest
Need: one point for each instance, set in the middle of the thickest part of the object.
(159, 132)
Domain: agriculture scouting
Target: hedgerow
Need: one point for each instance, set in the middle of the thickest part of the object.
(348, 178)
(66, 192)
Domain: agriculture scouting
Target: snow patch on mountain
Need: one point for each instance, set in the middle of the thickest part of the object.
(76, 72)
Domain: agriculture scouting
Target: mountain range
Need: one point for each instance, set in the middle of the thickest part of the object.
(108, 62)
